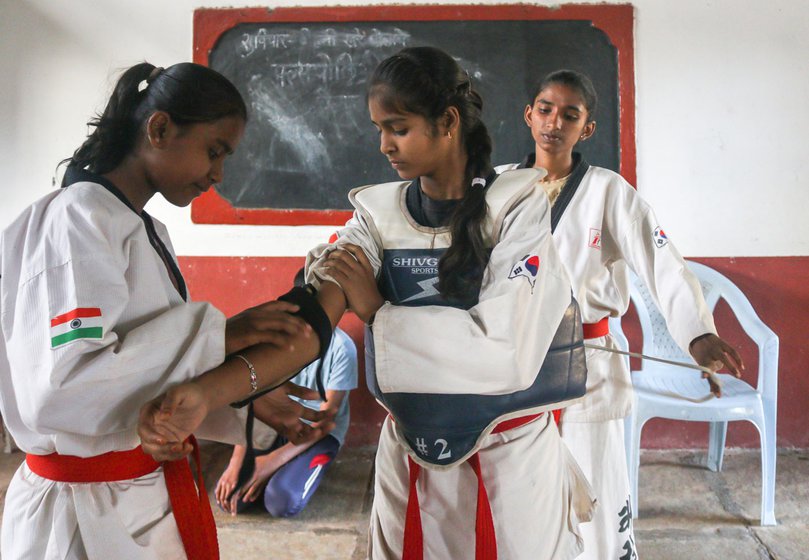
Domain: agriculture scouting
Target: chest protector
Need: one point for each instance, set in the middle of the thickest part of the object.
(440, 431)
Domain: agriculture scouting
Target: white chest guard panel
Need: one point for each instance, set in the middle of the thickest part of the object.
(443, 430)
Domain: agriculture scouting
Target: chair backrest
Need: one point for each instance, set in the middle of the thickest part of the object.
(658, 342)
(656, 338)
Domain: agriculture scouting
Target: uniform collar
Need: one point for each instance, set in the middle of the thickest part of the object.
(74, 174)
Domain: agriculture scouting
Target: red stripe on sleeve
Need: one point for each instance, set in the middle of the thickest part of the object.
(79, 312)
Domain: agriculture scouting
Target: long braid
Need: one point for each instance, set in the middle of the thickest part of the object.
(460, 270)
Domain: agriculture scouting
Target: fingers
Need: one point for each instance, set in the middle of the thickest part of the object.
(252, 491)
(282, 341)
(316, 416)
(271, 322)
(148, 429)
(158, 439)
(340, 270)
(344, 262)
(715, 389)
(223, 488)
(276, 329)
(169, 403)
(733, 361)
(282, 322)
(714, 353)
(276, 305)
(357, 252)
(299, 433)
(168, 452)
(303, 393)
(232, 506)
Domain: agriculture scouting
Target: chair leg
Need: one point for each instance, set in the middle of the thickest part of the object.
(717, 432)
(768, 456)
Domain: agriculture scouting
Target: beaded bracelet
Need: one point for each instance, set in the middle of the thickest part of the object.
(253, 376)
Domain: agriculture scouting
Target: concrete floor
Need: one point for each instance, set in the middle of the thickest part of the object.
(686, 511)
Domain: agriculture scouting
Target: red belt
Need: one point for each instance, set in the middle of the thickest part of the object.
(591, 330)
(485, 539)
(597, 330)
(189, 501)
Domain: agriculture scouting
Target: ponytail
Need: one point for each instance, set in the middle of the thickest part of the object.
(427, 81)
(189, 93)
(115, 130)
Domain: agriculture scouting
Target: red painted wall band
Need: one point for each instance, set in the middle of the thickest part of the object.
(775, 286)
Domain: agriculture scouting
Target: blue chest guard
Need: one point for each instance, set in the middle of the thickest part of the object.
(440, 431)
(444, 430)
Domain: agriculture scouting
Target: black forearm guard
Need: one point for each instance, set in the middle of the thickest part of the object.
(310, 311)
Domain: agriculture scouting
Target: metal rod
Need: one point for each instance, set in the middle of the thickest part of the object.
(711, 374)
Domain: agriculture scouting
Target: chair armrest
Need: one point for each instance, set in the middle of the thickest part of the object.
(766, 340)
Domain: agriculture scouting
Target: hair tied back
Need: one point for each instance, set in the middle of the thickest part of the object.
(479, 182)
(156, 71)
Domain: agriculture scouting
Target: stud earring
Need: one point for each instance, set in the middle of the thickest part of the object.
(449, 134)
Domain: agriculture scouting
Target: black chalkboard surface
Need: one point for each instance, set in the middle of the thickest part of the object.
(309, 139)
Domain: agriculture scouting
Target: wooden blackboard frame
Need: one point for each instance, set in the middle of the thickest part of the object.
(615, 20)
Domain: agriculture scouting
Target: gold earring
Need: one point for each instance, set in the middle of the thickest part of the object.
(449, 134)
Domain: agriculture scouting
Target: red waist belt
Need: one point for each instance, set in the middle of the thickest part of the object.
(189, 501)
(597, 330)
(485, 539)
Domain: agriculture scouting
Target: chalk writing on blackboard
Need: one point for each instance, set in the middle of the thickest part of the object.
(264, 39)
(309, 139)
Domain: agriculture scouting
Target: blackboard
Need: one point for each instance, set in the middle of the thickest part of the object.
(309, 139)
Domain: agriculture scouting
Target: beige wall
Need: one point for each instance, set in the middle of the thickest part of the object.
(721, 114)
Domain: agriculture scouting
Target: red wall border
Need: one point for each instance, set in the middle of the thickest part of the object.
(775, 286)
(616, 20)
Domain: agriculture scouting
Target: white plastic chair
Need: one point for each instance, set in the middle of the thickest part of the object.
(681, 394)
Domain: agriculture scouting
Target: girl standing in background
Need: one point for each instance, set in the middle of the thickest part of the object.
(602, 228)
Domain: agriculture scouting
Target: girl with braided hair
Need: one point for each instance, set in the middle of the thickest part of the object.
(454, 271)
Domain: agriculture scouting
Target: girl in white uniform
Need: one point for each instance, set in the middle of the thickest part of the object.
(96, 319)
(495, 293)
(602, 228)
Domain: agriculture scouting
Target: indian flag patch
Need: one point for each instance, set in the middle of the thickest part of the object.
(82, 322)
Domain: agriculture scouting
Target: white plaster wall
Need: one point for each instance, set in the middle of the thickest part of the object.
(721, 87)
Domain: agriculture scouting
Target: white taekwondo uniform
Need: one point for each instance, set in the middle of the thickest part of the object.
(602, 229)
(537, 494)
(94, 328)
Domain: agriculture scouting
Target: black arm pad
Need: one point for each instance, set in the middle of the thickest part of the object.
(312, 312)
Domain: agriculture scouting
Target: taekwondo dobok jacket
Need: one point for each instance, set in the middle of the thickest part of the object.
(605, 229)
(93, 328)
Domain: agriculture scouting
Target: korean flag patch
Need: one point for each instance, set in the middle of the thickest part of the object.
(527, 267)
(660, 238)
